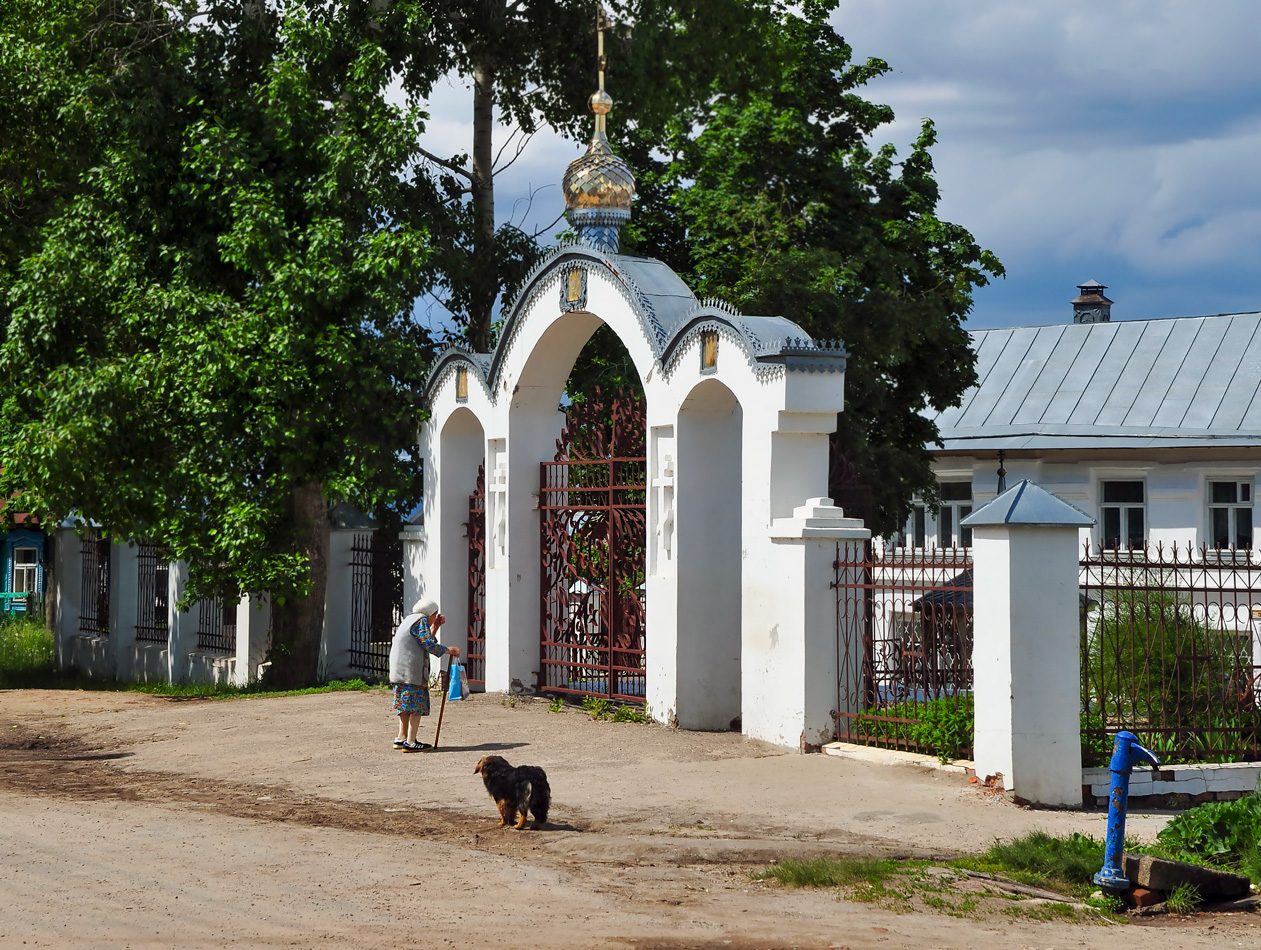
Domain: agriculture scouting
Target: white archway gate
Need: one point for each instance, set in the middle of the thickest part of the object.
(738, 538)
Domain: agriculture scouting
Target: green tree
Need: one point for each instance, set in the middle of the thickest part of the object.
(207, 295)
(771, 197)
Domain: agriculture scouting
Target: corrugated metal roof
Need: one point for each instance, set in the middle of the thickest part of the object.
(1187, 381)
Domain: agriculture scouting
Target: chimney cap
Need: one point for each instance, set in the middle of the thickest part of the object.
(1092, 293)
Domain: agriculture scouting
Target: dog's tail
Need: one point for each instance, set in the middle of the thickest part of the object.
(540, 792)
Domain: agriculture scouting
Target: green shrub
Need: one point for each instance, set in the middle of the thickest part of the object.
(941, 727)
(26, 649)
(597, 707)
(1223, 833)
(1152, 667)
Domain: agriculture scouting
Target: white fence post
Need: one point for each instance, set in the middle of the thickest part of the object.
(1026, 662)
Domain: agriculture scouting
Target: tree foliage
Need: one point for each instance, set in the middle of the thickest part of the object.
(207, 295)
(772, 198)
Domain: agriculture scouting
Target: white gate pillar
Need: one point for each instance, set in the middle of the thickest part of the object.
(1026, 642)
(123, 600)
(790, 663)
(253, 638)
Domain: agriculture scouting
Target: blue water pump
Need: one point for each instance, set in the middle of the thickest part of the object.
(1126, 753)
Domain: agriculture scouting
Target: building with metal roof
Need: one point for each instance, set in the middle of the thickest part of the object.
(1153, 427)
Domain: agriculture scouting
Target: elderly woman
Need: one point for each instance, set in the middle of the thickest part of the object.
(415, 640)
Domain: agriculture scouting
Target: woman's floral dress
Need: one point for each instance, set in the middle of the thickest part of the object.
(410, 697)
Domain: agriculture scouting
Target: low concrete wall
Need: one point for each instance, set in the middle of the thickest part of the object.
(210, 668)
(148, 662)
(88, 655)
(1175, 786)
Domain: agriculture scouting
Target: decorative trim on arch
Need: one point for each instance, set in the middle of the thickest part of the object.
(669, 317)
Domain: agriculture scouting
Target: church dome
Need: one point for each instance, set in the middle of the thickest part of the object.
(598, 180)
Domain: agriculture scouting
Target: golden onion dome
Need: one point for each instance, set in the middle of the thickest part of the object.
(598, 179)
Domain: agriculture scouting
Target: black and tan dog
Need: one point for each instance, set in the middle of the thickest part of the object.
(516, 790)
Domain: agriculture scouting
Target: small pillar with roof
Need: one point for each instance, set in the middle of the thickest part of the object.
(1026, 642)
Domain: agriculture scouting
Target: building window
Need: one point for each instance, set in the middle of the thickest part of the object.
(1123, 515)
(1230, 514)
(956, 504)
(944, 528)
(25, 570)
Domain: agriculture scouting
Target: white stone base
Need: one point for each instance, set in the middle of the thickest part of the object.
(1205, 782)
(212, 668)
(868, 753)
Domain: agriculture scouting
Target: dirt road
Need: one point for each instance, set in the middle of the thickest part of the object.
(134, 821)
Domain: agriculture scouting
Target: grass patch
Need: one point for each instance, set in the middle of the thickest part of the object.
(1183, 899)
(228, 691)
(829, 872)
(1041, 860)
(26, 651)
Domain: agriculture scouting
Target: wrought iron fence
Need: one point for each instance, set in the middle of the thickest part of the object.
(94, 585)
(216, 626)
(1171, 651)
(376, 600)
(152, 594)
(904, 647)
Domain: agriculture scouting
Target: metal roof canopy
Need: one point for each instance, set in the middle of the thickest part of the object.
(1184, 381)
(1028, 504)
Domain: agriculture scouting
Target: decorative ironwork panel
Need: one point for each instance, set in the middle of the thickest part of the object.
(904, 643)
(593, 534)
(376, 600)
(1170, 651)
(94, 586)
(153, 592)
(216, 626)
(475, 652)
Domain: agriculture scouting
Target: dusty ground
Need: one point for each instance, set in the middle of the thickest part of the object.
(134, 821)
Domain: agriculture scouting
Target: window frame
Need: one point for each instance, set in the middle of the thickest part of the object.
(923, 529)
(1125, 510)
(1243, 485)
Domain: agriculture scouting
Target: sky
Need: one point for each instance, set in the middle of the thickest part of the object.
(1115, 140)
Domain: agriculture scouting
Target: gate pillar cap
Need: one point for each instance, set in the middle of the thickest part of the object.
(1029, 505)
(818, 518)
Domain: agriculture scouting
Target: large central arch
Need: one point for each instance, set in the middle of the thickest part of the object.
(738, 412)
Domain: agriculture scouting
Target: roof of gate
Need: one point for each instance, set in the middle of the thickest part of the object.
(1183, 381)
(668, 312)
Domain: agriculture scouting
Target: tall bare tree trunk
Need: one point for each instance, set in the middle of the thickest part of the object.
(298, 624)
(486, 284)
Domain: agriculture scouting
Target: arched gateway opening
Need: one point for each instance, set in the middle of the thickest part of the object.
(462, 593)
(709, 526)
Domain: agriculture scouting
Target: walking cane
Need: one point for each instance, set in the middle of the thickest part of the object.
(444, 681)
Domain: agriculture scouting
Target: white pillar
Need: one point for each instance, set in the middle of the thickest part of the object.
(123, 597)
(335, 641)
(789, 628)
(253, 629)
(1027, 668)
(68, 577)
(181, 625)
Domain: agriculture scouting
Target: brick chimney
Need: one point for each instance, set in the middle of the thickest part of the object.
(1091, 306)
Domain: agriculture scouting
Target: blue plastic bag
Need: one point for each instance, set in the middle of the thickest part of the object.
(459, 686)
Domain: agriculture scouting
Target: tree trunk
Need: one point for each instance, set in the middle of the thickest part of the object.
(298, 623)
(485, 281)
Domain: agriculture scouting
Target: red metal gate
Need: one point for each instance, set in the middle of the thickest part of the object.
(593, 535)
(475, 657)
